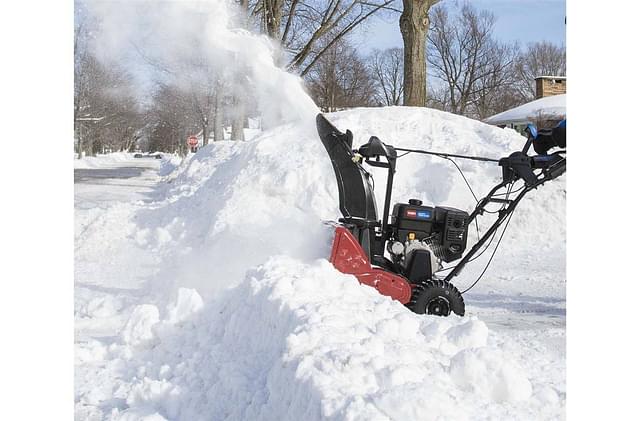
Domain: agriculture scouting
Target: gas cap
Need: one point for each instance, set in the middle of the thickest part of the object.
(415, 202)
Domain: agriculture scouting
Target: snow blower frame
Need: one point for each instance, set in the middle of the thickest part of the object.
(420, 238)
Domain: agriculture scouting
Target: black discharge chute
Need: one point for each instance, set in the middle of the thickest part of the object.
(354, 188)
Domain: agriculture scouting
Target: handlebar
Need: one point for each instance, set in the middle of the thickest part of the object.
(518, 165)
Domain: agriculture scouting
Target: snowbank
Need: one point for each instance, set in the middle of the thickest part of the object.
(276, 348)
(239, 316)
(101, 161)
(169, 163)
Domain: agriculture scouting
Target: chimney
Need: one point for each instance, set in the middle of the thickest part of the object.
(550, 85)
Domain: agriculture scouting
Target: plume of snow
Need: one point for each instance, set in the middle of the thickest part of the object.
(158, 41)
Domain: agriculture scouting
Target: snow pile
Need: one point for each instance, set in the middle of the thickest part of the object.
(277, 348)
(169, 163)
(234, 313)
(101, 161)
(138, 327)
(489, 374)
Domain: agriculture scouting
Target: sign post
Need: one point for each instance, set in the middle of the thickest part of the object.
(192, 141)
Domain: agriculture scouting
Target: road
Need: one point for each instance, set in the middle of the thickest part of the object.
(124, 181)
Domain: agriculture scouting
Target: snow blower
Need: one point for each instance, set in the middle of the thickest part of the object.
(420, 239)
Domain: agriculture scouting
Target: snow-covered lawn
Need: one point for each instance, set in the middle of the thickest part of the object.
(203, 293)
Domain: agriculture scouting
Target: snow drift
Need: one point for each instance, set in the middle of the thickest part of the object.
(236, 314)
(100, 161)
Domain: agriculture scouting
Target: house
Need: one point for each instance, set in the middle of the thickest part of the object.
(547, 109)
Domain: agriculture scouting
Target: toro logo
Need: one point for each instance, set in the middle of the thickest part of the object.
(424, 214)
(411, 213)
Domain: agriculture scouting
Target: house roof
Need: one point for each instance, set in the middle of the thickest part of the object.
(552, 105)
(551, 77)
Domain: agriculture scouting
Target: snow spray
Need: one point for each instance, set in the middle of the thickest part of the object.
(158, 41)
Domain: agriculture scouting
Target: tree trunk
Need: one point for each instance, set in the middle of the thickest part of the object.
(183, 148)
(273, 20)
(237, 121)
(205, 133)
(79, 142)
(218, 129)
(244, 6)
(237, 124)
(273, 17)
(414, 23)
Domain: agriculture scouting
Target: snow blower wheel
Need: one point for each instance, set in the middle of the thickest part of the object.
(436, 297)
(400, 253)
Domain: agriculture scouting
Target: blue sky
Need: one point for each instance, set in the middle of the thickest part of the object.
(516, 20)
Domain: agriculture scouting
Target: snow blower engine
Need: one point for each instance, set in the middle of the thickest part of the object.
(403, 257)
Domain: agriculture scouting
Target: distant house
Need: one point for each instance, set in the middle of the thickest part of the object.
(548, 109)
(550, 85)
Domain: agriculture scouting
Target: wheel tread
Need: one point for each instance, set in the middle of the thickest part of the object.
(420, 289)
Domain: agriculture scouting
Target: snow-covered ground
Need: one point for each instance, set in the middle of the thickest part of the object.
(203, 292)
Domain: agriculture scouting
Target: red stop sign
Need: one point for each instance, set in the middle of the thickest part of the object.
(193, 141)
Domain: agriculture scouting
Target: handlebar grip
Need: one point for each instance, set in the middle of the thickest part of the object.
(547, 161)
(557, 169)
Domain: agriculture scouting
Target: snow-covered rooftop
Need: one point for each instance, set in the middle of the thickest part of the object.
(552, 105)
(551, 77)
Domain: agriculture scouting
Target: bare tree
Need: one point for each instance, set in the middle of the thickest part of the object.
(106, 115)
(495, 91)
(83, 87)
(387, 69)
(414, 25)
(307, 29)
(204, 82)
(468, 62)
(337, 19)
(121, 127)
(270, 13)
(540, 59)
(171, 119)
(201, 83)
(341, 79)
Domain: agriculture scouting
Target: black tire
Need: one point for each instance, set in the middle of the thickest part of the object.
(436, 297)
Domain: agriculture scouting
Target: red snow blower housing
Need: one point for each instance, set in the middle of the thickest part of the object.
(419, 239)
